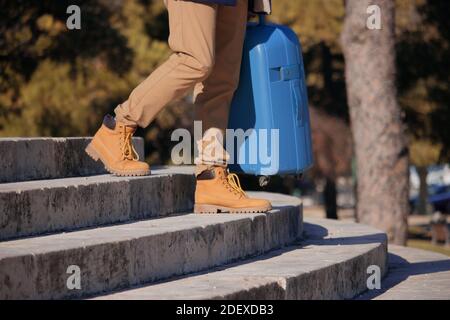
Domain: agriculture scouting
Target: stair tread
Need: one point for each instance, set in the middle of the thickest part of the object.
(414, 274)
(38, 207)
(123, 255)
(114, 233)
(23, 159)
(131, 230)
(21, 186)
(271, 275)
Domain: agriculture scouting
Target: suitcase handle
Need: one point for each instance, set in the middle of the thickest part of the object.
(295, 87)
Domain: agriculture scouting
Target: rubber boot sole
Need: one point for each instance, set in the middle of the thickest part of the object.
(209, 208)
(95, 155)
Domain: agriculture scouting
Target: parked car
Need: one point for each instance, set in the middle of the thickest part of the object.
(438, 198)
(437, 175)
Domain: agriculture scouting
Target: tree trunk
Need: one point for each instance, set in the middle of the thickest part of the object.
(422, 205)
(330, 199)
(377, 126)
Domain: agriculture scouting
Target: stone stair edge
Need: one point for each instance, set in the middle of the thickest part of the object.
(274, 275)
(280, 202)
(203, 236)
(24, 159)
(157, 172)
(30, 208)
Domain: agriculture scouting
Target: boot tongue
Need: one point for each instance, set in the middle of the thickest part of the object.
(129, 129)
(220, 172)
(109, 122)
(112, 124)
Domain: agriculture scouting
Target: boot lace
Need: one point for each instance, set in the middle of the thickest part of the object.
(233, 181)
(128, 151)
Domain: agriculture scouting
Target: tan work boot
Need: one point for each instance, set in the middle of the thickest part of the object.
(113, 145)
(218, 191)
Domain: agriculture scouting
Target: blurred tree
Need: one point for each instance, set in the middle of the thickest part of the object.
(60, 82)
(423, 48)
(423, 154)
(423, 69)
(377, 126)
(332, 150)
(318, 24)
(424, 72)
(50, 77)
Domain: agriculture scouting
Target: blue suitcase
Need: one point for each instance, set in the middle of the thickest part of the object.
(272, 96)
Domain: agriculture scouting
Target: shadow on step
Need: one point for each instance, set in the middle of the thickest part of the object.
(317, 235)
(401, 269)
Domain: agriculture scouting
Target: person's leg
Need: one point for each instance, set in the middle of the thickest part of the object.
(192, 38)
(218, 191)
(213, 96)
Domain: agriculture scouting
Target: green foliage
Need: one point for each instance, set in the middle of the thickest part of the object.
(423, 51)
(318, 24)
(423, 65)
(58, 82)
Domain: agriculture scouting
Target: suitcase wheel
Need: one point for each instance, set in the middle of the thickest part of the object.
(264, 181)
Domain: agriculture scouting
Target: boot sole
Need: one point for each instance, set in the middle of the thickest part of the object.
(209, 208)
(95, 155)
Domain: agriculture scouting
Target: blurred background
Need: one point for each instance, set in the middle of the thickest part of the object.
(57, 82)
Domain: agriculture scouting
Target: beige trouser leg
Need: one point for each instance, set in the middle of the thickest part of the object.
(207, 42)
(192, 38)
(213, 95)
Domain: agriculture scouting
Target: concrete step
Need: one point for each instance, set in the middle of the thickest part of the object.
(23, 159)
(46, 206)
(331, 263)
(130, 254)
(413, 274)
